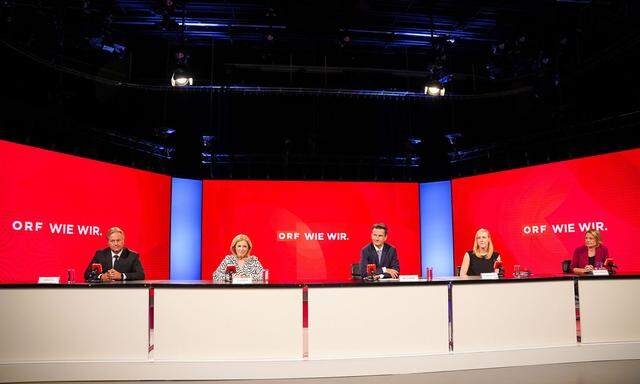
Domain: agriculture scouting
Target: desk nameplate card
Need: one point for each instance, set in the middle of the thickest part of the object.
(489, 276)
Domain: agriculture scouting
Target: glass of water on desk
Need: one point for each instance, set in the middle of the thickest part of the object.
(71, 276)
(516, 270)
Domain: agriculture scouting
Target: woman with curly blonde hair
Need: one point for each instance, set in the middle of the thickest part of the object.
(246, 264)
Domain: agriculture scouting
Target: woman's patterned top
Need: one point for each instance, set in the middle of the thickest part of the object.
(251, 268)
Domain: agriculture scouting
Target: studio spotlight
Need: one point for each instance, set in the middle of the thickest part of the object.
(453, 137)
(207, 140)
(434, 89)
(164, 132)
(270, 37)
(345, 40)
(181, 77)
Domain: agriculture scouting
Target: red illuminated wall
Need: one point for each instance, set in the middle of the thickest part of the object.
(266, 210)
(514, 204)
(38, 186)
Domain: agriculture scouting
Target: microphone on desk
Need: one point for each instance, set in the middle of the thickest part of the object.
(371, 270)
(498, 265)
(231, 269)
(96, 270)
(610, 265)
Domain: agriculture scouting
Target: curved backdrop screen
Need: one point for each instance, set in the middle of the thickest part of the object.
(305, 231)
(55, 210)
(538, 215)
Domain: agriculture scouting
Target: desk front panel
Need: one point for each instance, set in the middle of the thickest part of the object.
(378, 321)
(40, 324)
(499, 316)
(227, 323)
(609, 310)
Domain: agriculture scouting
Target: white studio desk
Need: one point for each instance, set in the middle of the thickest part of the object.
(241, 323)
(74, 324)
(378, 320)
(206, 331)
(513, 315)
(609, 310)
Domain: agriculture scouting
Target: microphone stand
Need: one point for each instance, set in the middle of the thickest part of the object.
(93, 276)
(371, 276)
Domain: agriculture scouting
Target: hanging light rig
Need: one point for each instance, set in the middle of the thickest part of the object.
(434, 89)
(182, 75)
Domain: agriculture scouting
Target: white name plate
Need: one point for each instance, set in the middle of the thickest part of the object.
(49, 280)
(409, 278)
(242, 280)
(600, 272)
(489, 276)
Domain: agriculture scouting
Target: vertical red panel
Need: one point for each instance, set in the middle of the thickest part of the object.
(265, 210)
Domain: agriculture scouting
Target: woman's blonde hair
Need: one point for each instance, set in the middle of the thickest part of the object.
(476, 248)
(596, 235)
(239, 238)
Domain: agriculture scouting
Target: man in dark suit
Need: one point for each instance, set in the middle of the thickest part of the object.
(378, 252)
(118, 263)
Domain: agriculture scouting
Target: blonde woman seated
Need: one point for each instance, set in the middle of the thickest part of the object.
(246, 265)
(482, 258)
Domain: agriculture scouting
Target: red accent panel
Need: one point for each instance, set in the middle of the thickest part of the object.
(265, 210)
(600, 189)
(39, 186)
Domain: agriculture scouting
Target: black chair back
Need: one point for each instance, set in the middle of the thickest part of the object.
(566, 264)
(355, 271)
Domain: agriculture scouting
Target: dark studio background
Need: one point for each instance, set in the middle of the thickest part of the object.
(292, 89)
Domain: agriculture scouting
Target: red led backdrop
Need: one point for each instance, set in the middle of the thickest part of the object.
(305, 231)
(538, 215)
(55, 209)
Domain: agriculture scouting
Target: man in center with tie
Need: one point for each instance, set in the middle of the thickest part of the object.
(118, 263)
(378, 252)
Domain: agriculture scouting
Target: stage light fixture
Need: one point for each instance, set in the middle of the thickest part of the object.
(165, 132)
(270, 37)
(181, 77)
(453, 137)
(434, 89)
(207, 140)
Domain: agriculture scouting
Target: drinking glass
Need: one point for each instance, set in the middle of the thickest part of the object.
(71, 276)
(516, 270)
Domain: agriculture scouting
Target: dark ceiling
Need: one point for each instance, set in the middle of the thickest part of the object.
(323, 89)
